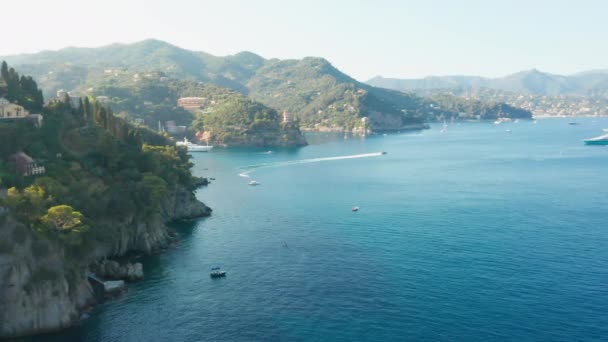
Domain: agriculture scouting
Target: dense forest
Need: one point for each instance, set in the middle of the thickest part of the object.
(98, 167)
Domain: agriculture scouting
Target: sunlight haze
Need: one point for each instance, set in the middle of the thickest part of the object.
(388, 38)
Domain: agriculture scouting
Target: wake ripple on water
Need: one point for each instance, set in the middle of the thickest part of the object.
(251, 168)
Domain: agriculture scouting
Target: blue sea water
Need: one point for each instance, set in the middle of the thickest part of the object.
(474, 234)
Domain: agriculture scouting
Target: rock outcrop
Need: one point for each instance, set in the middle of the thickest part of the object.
(37, 293)
(42, 290)
(110, 269)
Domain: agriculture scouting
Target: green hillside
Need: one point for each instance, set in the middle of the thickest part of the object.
(228, 117)
(311, 89)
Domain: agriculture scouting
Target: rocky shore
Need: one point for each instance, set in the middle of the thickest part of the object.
(40, 288)
(365, 131)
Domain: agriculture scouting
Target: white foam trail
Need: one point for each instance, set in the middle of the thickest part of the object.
(251, 168)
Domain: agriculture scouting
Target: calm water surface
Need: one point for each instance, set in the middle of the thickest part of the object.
(474, 234)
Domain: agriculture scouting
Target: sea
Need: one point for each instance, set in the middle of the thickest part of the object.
(475, 232)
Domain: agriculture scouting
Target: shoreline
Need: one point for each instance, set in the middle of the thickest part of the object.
(325, 129)
(567, 116)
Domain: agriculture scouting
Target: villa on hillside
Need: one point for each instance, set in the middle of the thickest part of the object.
(26, 165)
(12, 112)
(191, 103)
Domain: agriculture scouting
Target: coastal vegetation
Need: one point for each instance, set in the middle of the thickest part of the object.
(227, 117)
(102, 176)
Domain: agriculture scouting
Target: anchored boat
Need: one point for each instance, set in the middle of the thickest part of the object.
(192, 147)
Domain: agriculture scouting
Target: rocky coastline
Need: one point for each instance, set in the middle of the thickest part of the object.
(365, 131)
(42, 291)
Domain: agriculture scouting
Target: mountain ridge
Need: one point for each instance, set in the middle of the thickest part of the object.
(531, 81)
(315, 92)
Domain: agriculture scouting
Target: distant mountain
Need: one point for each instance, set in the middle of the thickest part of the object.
(71, 67)
(311, 89)
(530, 81)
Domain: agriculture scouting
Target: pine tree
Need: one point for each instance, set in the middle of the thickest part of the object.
(4, 71)
(80, 110)
(12, 85)
(87, 109)
(39, 99)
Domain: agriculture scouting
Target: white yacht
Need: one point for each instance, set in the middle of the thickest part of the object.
(192, 147)
(254, 183)
(601, 140)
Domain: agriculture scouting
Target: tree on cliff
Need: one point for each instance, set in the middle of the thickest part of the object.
(63, 218)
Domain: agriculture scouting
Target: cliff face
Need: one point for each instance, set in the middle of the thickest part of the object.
(41, 290)
(36, 293)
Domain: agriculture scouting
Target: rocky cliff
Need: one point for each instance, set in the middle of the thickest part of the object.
(43, 290)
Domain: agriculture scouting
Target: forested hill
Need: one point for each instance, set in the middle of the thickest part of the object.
(314, 91)
(106, 188)
(222, 116)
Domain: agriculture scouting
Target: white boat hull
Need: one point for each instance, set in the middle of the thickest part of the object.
(199, 148)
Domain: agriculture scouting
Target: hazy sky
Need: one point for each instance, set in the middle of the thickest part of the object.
(362, 38)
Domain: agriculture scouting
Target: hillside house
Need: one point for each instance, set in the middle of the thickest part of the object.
(191, 103)
(26, 166)
(12, 112)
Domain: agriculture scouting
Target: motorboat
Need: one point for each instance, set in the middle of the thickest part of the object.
(501, 120)
(601, 140)
(254, 183)
(192, 147)
(355, 209)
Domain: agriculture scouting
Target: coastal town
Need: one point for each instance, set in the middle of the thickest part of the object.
(595, 105)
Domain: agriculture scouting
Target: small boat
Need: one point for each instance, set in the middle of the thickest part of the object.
(383, 152)
(601, 140)
(508, 131)
(355, 209)
(254, 183)
(192, 147)
(216, 272)
(501, 120)
(572, 123)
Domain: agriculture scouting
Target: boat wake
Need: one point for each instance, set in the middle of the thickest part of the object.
(251, 168)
